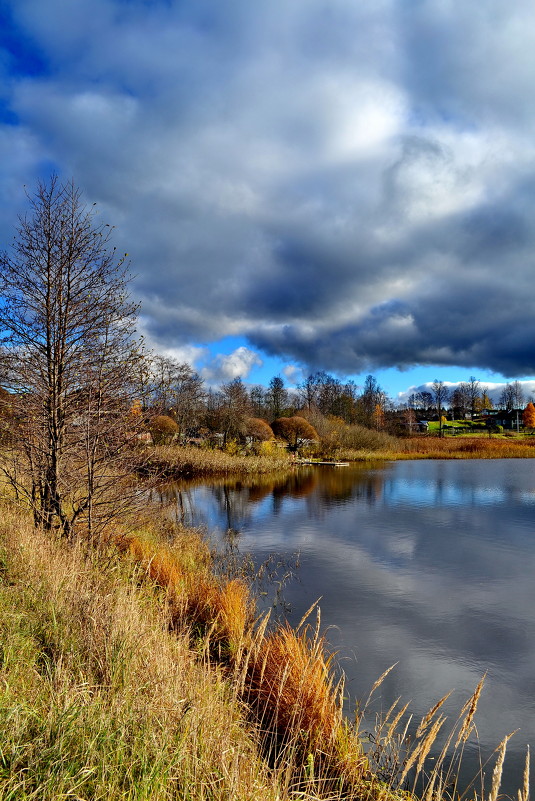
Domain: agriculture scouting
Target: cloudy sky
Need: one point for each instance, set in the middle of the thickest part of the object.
(300, 184)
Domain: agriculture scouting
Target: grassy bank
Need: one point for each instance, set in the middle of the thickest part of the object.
(476, 447)
(97, 700)
(466, 447)
(144, 676)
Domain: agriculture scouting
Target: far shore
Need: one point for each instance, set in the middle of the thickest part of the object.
(183, 461)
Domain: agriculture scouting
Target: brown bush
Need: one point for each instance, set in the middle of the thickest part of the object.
(294, 430)
(162, 428)
(258, 429)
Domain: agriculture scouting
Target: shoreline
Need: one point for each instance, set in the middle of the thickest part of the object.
(183, 462)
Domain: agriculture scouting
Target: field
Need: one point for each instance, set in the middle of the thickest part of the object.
(479, 446)
(466, 446)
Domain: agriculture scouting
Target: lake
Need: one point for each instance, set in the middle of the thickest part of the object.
(427, 564)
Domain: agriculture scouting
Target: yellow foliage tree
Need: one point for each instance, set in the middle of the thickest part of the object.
(378, 417)
(136, 409)
(528, 416)
(483, 402)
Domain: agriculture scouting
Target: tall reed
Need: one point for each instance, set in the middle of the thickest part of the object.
(403, 760)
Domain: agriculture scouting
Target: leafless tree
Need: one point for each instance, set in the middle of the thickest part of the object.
(426, 400)
(325, 393)
(308, 391)
(276, 397)
(518, 394)
(473, 390)
(441, 393)
(409, 417)
(372, 399)
(176, 390)
(506, 400)
(460, 399)
(234, 407)
(258, 401)
(187, 398)
(164, 373)
(67, 326)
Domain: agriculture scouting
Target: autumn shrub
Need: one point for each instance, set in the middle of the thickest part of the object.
(232, 447)
(258, 429)
(337, 438)
(268, 448)
(294, 430)
(162, 428)
(528, 416)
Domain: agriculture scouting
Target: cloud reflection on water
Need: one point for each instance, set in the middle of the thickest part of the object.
(428, 564)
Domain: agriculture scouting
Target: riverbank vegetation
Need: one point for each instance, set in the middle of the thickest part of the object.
(341, 441)
(175, 461)
(132, 671)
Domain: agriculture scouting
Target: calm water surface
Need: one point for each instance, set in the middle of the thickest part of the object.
(428, 564)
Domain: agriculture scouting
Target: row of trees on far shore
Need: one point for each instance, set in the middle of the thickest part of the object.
(174, 389)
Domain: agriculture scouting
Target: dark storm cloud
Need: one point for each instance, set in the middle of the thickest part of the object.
(349, 187)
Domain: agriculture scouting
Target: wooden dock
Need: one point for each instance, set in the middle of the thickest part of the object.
(329, 464)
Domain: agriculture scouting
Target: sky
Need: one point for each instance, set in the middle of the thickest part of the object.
(301, 185)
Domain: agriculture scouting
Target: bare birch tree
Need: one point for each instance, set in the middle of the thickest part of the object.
(67, 326)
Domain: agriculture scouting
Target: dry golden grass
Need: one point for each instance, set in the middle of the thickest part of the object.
(159, 562)
(97, 700)
(478, 447)
(176, 461)
(223, 611)
(296, 701)
(284, 677)
(291, 686)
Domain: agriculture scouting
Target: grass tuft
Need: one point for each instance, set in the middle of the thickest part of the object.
(297, 703)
